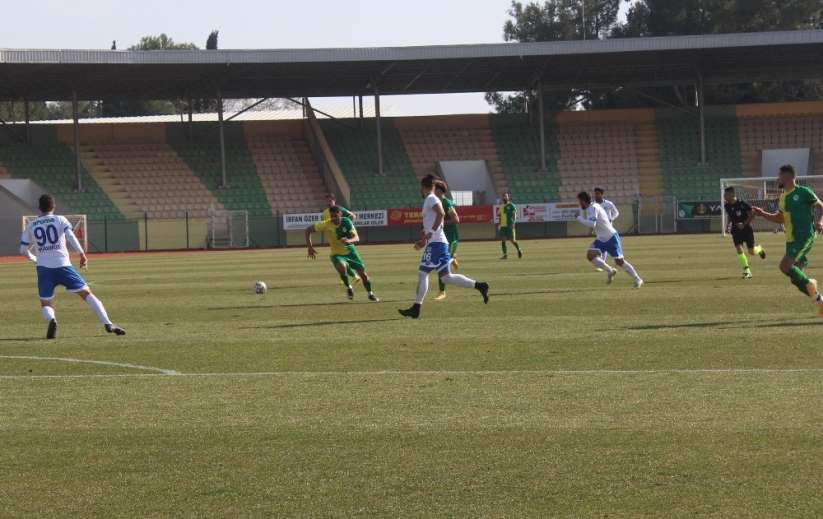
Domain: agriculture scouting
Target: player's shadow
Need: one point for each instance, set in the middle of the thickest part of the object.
(725, 325)
(534, 292)
(301, 305)
(318, 323)
(21, 339)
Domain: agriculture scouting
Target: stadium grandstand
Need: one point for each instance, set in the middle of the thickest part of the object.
(146, 176)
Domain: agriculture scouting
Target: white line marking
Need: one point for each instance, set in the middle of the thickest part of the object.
(160, 371)
(595, 372)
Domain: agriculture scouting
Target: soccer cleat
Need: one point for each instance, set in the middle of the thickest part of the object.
(373, 298)
(762, 253)
(504, 256)
(411, 313)
(811, 289)
(520, 254)
(349, 293)
(819, 303)
(116, 330)
(747, 274)
(483, 288)
(441, 296)
(52, 331)
(610, 276)
(638, 283)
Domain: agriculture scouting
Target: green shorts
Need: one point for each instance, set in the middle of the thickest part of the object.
(800, 247)
(351, 259)
(508, 233)
(451, 233)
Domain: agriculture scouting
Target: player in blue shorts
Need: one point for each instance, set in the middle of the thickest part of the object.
(608, 240)
(436, 254)
(48, 234)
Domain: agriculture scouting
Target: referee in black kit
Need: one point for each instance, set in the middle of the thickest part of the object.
(740, 217)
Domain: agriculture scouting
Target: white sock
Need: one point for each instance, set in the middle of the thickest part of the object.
(457, 280)
(48, 313)
(98, 308)
(627, 267)
(599, 263)
(422, 286)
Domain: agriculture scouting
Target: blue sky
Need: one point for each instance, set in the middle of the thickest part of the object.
(249, 24)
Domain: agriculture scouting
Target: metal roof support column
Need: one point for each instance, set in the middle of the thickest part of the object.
(542, 118)
(27, 109)
(224, 182)
(701, 101)
(361, 111)
(379, 131)
(191, 116)
(78, 183)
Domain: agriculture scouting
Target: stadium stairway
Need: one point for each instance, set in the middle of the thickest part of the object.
(648, 160)
(288, 173)
(356, 152)
(148, 179)
(429, 140)
(518, 147)
(51, 165)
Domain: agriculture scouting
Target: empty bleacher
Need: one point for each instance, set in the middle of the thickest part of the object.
(288, 173)
(356, 152)
(683, 175)
(518, 147)
(149, 179)
(52, 167)
(202, 155)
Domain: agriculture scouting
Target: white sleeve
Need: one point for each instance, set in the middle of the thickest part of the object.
(613, 212)
(583, 218)
(70, 237)
(25, 244)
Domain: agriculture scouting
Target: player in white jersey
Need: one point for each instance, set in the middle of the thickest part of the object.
(48, 234)
(436, 254)
(610, 209)
(607, 240)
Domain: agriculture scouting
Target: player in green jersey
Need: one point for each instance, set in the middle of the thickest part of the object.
(797, 208)
(331, 201)
(451, 220)
(344, 256)
(507, 214)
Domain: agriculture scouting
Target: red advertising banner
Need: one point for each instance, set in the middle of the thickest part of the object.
(468, 214)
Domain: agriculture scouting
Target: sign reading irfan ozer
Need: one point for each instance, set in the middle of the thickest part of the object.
(299, 221)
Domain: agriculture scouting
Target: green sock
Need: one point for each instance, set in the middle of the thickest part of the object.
(345, 277)
(743, 260)
(367, 285)
(453, 248)
(799, 279)
(503, 246)
(441, 285)
(516, 246)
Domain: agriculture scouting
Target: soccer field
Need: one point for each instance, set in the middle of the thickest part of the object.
(700, 394)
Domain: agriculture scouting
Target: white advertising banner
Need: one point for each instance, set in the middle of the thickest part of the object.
(298, 221)
(540, 213)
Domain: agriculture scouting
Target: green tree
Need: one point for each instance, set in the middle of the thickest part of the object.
(554, 20)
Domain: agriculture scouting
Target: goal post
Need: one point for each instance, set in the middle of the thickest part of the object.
(762, 192)
(79, 224)
(229, 230)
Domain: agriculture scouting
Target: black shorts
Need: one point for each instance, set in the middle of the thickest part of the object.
(745, 235)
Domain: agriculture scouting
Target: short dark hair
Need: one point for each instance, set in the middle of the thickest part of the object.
(334, 209)
(427, 181)
(440, 185)
(787, 168)
(584, 197)
(46, 203)
(599, 190)
(331, 196)
(729, 189)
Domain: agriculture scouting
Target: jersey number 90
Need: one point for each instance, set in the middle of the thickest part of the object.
(46, 234)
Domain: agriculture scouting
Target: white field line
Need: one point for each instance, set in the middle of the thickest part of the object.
(562, 372)
(159, 371)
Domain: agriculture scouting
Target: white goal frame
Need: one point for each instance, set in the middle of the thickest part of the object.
(229, 229)
(79, 224)
(765, 195)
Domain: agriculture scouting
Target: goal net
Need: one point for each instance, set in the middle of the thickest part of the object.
(79, 224)
(229, 230)
(762, 192)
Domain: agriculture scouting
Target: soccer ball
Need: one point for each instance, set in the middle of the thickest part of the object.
(260, 287)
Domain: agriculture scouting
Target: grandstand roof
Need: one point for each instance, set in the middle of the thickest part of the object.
(721, 58)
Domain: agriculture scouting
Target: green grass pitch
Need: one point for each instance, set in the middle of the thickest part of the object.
(700, 395)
